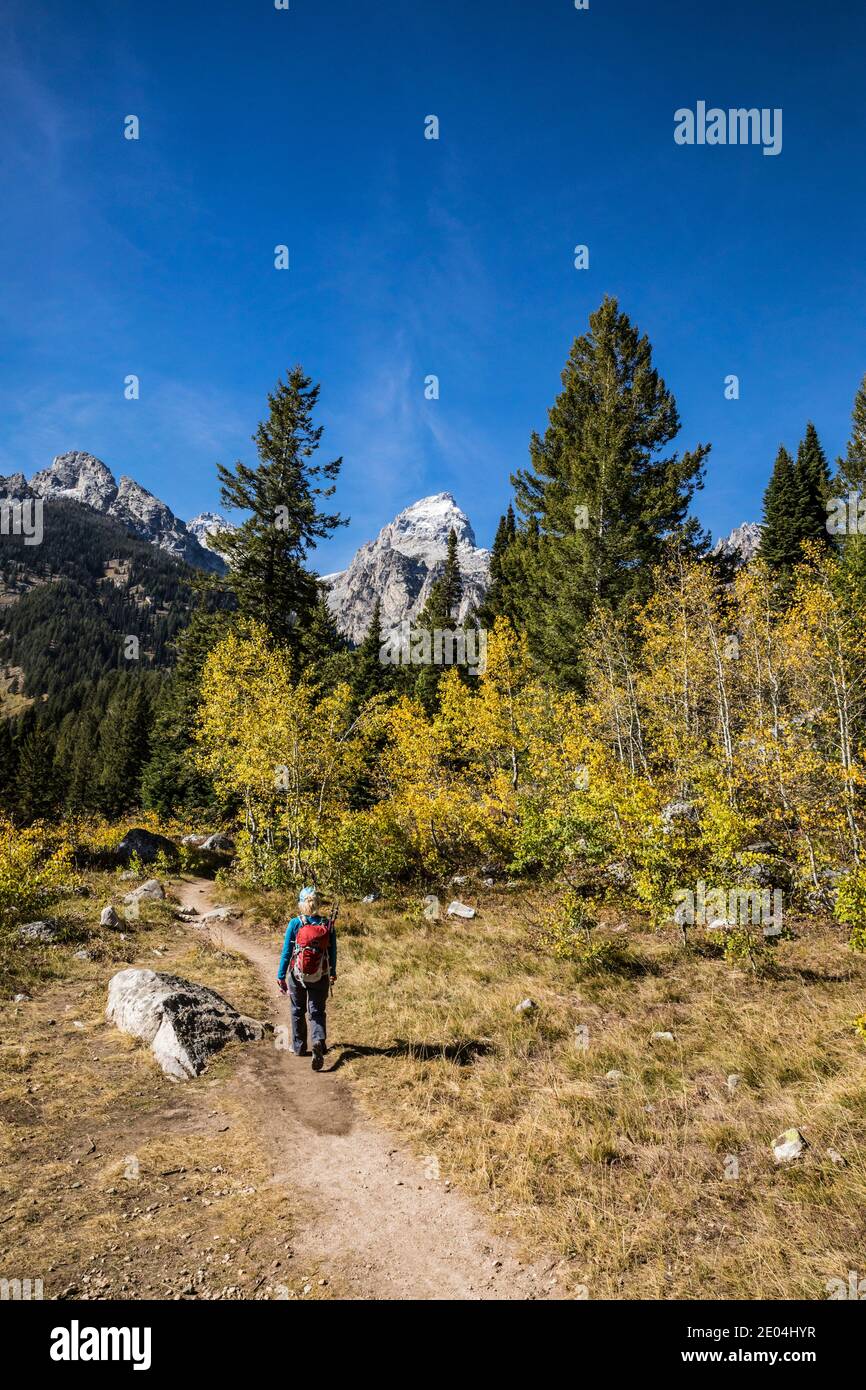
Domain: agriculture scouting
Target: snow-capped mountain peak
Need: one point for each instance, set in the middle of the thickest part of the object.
(206, 524)
(400, 565)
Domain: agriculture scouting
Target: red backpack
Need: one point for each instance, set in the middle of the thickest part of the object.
(310, 954)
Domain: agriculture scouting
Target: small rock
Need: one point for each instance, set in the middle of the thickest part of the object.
(614, 1076)
(488, 882)
(459, 878)
(679, 812)
(526, 1006)
(662, 1037)
(108, 917)
(733, 1081)
(835, 1157)
(222, 914)
(151, 889)
(82, 955)
(619, 874)
(789, 1146)
(39, 931)
(371, 898)
(459, 909)
(223, 844)
(21, 999)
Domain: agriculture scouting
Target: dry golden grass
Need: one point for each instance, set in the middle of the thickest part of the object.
(627, 1180)
(115, 1182)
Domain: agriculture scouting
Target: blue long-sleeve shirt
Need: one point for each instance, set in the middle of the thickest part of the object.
(289, 944)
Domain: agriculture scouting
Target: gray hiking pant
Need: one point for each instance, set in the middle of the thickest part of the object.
(304, 998)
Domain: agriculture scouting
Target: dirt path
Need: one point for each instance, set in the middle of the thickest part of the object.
(368, 1212)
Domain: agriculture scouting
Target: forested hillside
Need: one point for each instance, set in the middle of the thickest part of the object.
(89, 622)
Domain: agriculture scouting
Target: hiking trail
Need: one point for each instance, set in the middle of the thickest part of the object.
(369, 1215)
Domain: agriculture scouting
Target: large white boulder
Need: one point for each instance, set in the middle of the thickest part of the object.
(183, 1023)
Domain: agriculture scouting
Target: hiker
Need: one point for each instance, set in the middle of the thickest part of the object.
(310, 960)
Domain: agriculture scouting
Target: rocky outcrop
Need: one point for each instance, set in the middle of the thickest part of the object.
(400, 565)
(45, 930)
(153, 521)
(15, 486)
(184, 1024)
(741, 545)
(77, 477)
(80, 477)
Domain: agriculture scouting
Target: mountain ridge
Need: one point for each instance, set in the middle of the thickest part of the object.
(77, 476)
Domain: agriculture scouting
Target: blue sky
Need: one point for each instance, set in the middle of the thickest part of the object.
(409, 256)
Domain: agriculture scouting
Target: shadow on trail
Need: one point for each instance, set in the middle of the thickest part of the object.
(463, 1053)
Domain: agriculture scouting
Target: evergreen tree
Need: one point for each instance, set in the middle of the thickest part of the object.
(8, 764)
(783, 520)
(323, 650)
(124, 740)
(503, 596)
(851, 478)
(76, 759)
(37, 793)
(606, 502)
(370, 675)
(171, 780)
(267, 553)
(852, 469)
(812, 476)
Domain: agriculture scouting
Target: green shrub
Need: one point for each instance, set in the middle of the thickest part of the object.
(850, 907)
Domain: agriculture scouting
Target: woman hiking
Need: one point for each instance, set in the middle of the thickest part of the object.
(309, 959)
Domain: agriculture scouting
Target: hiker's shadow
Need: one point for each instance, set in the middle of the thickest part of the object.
(463, 1053)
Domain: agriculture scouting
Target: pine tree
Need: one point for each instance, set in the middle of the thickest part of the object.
(8, 766)
(370, 675)
(322, 649)
(782, 533)
(606, 502)
(171, 780)
(124, 745)
(812, 476)
(851, 478)
(503, 596)
(852, 469)
(267, 553)
(38, 795)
